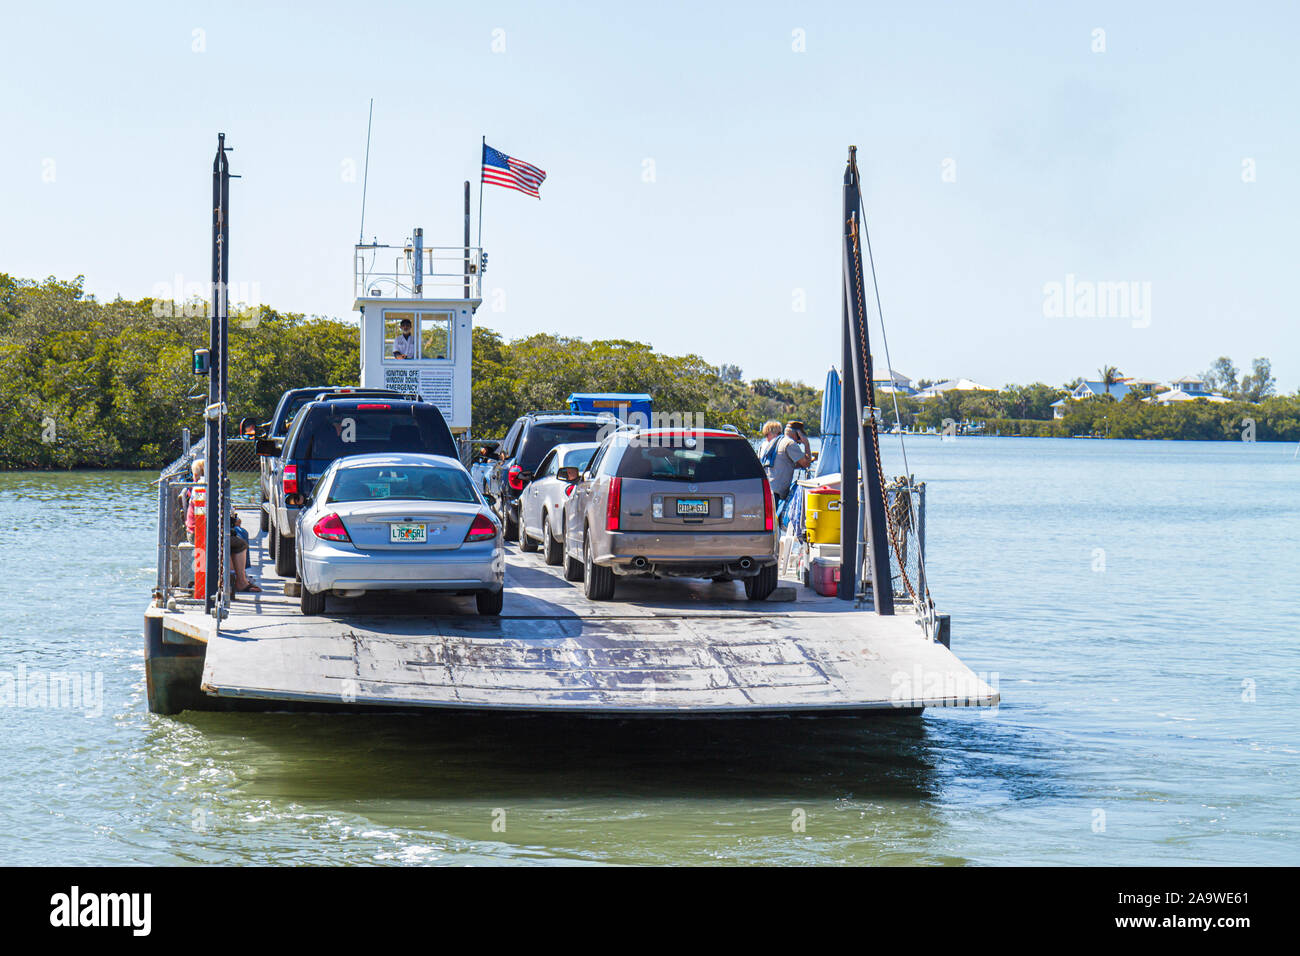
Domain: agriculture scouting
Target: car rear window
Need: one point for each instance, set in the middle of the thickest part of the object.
(417, 482)
(674, 459)
(296, 402)
(577, 457)
(291, 409)
(372, 430)
(542, 438)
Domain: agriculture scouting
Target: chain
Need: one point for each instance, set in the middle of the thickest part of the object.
(890, 525)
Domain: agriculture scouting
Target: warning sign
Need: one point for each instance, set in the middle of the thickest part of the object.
(434, 384)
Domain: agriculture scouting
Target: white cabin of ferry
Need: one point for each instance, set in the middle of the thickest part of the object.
(436, 288)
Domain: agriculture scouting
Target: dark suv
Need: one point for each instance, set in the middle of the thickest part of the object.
(527, 442)
(275, 429)
(334, 428)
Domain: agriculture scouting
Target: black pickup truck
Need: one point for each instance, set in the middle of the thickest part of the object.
(334, 428)
(278, 426)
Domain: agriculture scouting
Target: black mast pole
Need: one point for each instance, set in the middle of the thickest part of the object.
(467, 238)
(849, 409)
(861, 416)
(218, 378)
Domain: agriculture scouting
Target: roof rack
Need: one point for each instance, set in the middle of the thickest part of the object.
(570, 413)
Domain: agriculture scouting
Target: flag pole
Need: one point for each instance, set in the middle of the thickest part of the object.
(480, 198)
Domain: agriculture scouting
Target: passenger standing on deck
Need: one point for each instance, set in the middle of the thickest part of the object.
(793, 451)
(767, 450)
(404, 344)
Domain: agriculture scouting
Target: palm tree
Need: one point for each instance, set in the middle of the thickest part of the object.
(1110, 375)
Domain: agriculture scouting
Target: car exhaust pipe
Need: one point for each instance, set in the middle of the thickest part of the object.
(745, 564)
(639, 562)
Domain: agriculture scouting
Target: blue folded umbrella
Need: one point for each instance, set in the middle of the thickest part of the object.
(828, 459)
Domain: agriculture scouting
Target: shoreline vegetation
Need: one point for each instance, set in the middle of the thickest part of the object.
(89, 384)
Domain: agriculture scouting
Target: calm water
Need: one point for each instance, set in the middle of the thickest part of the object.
(1135, 601)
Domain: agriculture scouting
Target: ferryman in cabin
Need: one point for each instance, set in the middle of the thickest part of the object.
(404, 344)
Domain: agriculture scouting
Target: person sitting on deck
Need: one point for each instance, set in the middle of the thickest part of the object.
(238, 538)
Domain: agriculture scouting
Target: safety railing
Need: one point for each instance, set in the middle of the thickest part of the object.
(905, 507)
(390, 272)
(174, 584)
(905, 514)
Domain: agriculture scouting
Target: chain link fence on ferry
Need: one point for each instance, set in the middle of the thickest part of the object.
(905, 514)
(175, 575)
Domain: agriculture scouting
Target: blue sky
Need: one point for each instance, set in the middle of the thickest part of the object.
(1117, 166)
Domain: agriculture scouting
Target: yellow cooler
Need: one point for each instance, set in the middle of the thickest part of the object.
(822, 515)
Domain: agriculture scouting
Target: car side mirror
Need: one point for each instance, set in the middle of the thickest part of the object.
(268, 447)
(569, 473)
(525, 476)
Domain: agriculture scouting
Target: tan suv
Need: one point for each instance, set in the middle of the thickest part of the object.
(671, 502)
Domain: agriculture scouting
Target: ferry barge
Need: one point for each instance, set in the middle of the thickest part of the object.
(667, 649)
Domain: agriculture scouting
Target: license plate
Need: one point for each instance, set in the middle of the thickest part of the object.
(692, 506)
(415, 533)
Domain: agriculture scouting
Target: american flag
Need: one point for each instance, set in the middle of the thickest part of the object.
(502, 170)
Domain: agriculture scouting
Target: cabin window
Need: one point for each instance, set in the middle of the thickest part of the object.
(435, 335)
(394, 341)
(430, 336)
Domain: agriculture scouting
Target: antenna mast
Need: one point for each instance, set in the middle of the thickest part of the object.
(365, 181)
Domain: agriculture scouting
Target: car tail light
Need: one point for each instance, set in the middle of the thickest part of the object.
(290, 479)
(613, 504)
(768, 505)
(568, 489)
(371, 407)
(482, 529)
(330, 528)
(512, 477)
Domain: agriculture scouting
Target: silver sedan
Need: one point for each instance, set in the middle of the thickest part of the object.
(541, 504)
(398, 522)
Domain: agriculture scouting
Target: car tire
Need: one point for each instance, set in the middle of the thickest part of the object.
(285, 563)
(509, 524)
(759, 586)
(265, 517)
(554, 552)
(490, 602)
(526, 544)
(310, 602)
(572, 568)
(597, 582)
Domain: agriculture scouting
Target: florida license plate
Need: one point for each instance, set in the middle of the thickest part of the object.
(692, 506)
(412, 533)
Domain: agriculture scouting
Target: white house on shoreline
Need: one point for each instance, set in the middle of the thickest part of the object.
(890, 381)
(1186, 389)
(952, 385)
